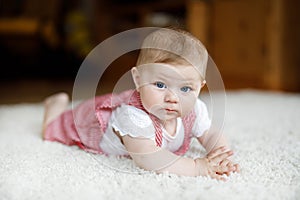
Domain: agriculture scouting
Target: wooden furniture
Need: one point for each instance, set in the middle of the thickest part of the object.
(255, 43)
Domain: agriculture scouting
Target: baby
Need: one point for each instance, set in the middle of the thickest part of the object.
(154, 123)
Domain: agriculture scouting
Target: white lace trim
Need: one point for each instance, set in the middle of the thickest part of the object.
(139, 118)
(129, 120)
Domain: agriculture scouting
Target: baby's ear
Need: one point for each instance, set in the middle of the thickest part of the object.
(136, 77)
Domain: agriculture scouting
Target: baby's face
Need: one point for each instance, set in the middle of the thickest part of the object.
(168, 91)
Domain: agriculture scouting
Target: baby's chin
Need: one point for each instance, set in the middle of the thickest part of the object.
(166, 117)
(164, 114)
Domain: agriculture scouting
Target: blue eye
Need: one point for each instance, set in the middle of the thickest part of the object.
(186, 89)
(160, 85)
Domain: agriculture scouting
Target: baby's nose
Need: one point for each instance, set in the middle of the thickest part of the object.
(171, 96)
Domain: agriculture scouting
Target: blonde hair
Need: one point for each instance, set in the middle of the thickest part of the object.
(173, 46)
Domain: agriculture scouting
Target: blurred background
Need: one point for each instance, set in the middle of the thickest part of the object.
(255, 43)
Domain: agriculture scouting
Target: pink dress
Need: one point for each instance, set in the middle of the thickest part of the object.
(85, 125)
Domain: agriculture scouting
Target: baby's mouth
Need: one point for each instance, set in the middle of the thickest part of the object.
(170, 110)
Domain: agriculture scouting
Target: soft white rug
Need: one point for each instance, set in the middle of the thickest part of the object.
(263, 127)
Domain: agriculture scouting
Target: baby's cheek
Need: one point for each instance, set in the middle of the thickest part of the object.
(187, 105)
(149, 101)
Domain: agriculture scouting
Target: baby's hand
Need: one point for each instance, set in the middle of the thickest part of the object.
(226, 166)
(215, 164)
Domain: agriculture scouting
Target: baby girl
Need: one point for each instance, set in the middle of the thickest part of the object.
(154, 123)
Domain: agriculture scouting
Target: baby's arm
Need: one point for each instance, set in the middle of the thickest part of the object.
(211, 142)
(148, 156)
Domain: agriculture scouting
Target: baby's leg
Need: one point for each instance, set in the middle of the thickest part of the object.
(54, 105)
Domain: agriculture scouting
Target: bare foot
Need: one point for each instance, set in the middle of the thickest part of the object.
(54, 105)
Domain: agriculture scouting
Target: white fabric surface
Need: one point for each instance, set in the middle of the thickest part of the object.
(263, 127)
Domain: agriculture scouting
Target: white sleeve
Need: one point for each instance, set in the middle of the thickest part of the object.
(202, 121)
(129, 120)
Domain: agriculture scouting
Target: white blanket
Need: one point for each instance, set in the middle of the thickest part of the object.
(263, 128)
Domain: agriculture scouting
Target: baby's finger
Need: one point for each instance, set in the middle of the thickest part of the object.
(227, 167)
(216, 152)
(222, 169)
(217, 160)
(237, 168)
(218, 177)
(225, 163)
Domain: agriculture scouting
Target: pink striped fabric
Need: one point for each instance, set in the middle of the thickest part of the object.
(85, 125)
(188, 122)
(138, 104)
